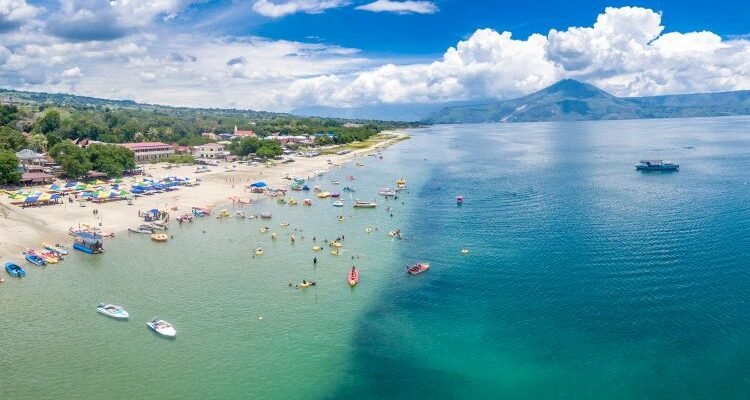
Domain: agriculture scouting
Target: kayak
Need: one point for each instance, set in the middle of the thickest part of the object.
(353, 277)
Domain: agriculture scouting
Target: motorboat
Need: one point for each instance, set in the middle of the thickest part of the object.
(338, 203)
(353, 277)
(141, 229)
(15, 270)
(401, 182)
(360, 164)
(34, 259)
(657, 165)
(157, 226)
(112, 310)
(162, 327)
(417, 268)
(386, 192)
(57, 249)
(284, 224)
(464, 251)
(365, 204)
(265, 215)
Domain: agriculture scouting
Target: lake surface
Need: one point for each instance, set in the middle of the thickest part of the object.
(585, 280)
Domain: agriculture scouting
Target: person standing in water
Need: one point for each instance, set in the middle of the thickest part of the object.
(315, 260)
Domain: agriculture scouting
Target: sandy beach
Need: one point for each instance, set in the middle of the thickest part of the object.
(22, 228)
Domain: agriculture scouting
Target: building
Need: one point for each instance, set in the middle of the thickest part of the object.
(210, 150)
(149, 151)
(209, 135)
(287, 139)
(243, 134)
(183, 150)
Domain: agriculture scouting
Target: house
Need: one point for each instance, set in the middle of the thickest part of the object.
(149, 151)
(210, 150)
(209, 135)
(243, 134)
(183, 150)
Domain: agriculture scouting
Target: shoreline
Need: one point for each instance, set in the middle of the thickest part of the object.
(22, 228)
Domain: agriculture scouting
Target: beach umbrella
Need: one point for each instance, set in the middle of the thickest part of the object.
(31, 199)
(45, 197)
(102, 194)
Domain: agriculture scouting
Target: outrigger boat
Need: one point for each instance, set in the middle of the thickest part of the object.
(162, 327)
(417, 268)
(14, 270)
(112, 310)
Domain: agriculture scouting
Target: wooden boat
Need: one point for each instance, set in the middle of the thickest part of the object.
(14, 270)
(417, 268)
(353, 278)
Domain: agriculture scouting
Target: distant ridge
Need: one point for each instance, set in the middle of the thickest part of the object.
(571, 100)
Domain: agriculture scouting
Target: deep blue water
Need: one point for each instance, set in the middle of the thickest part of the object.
(585, 278)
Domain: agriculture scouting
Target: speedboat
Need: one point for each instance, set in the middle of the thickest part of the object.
(265, 215)
(141, 229)
(34, 259)
(365, 204)
(306, 284)
(338, 203)
(162, 327)
(464, 251)
(57, 249)
(112, 310)
(14, 270)
(417, 268)
(387, 192)
(353, 278)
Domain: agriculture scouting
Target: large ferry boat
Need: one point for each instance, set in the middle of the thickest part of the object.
(657, 165)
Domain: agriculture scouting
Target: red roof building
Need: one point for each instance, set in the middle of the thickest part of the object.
(240, 133)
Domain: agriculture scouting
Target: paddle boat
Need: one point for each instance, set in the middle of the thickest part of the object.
(306, 284)
(335, 195)
(112, 310)
(57, 249)
(34, 259)
(223, 214)
(401, 182)
(459, 200)
(335, 252)
(353, 278)
(292, 202)
(258, 251)
(307, 202)
(162, 327)
(273, 235)
(14, 270)
(338, 203)
(284, 224)
(316, 248)
(265, 215)
(159, 237)
(336, 244)
(365, 204)
(417, 268)
(323, 195)
(264, 229)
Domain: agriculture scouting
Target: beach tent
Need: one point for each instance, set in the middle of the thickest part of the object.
(32, 198)
(45, 197)
(259, 184)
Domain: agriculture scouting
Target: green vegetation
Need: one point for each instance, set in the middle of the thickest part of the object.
(73, 159)
(180, 159)
(253, 145)
(112, 160)
(8, 167)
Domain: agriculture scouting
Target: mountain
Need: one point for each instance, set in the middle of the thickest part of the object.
(385, 112)
(571, 100)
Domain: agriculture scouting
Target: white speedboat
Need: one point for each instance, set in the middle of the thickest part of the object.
(386, 192)
(338, 203)
(162, 327)
(112, 310)
(365, 204)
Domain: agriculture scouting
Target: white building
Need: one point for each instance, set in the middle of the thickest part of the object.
(210, 150)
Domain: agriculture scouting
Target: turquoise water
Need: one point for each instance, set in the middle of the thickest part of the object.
(585, 279)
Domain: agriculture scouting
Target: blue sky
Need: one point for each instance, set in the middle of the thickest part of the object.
(282, 54)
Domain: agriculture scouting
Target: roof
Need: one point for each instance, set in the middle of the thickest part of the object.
(244, 133)
(208, 145)
(35, 176)
(143, 145)
(27, 154)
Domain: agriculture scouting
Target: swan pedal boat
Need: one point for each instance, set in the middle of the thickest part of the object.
(112, 310)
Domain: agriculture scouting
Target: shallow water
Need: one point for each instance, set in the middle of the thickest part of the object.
(585, 279)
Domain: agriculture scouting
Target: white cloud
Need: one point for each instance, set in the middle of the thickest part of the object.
(74, 72)
(401, 7)
(16, 12)
(274, 9)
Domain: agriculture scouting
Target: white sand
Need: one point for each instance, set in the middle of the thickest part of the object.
(21, 228)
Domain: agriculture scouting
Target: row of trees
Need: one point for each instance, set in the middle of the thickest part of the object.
(76, 162)
(254, 145)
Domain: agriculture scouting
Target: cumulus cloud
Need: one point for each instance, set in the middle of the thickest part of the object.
(15, 12)
(74, 72)
(274, 9)
(624, 52)
(401, 7)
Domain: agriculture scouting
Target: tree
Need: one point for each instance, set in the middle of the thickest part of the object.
(110, 159)
(72, 159)
(8, 167)
(38, 143)
(11, 139)
(49, 123)
(245, 146)
(269, 149)
(8, 114)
